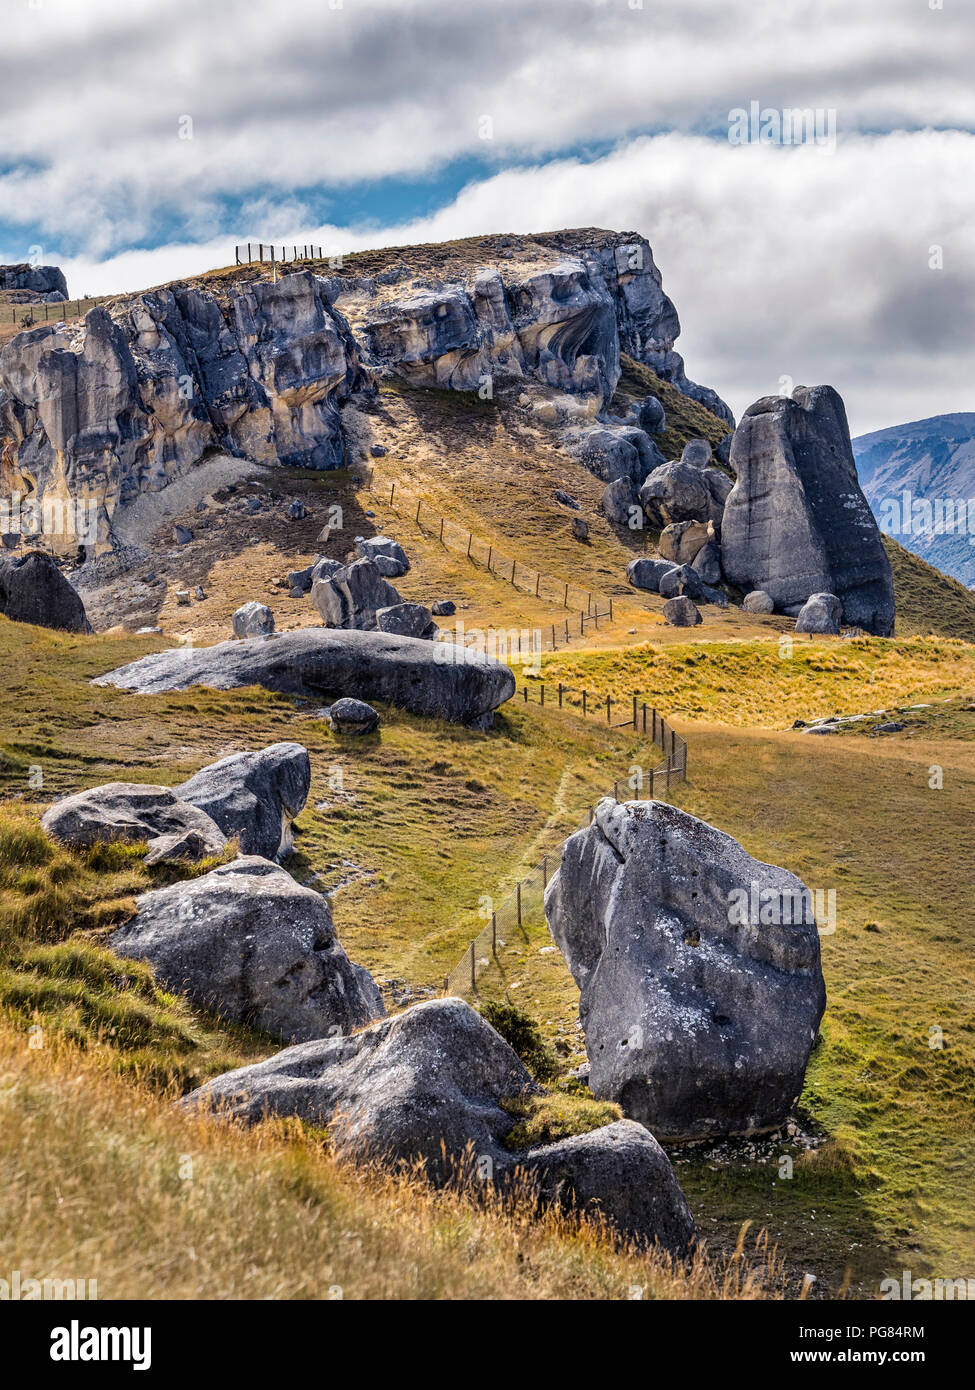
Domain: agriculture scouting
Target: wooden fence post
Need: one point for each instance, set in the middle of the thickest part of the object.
(583, 704)
(441, 530)
(634, 712)
(609, 708)
(560, 694)
(494, 934)
(473, 976)
(518, 896)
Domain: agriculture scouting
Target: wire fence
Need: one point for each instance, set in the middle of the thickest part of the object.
(525, 905)
(249, 252)
(29, 314)
(590, 609)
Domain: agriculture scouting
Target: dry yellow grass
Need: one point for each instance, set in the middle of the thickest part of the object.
(102, 1180)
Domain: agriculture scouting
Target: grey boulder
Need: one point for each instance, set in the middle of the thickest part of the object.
(427, 1086)
(439, 679)
(796, 522)
(253, 620)
(249, 943)
(682, 612)
(320, 568)
(254, 796)
(353, 717)
(697, 452)
(699, 971)
(388, 554)
(651, 415)
(821, 613)
(127, 812)
(758, 601)
(681, 579)
(646, 573)
(407, 620)
(675, 492)
(620, 504)
(33, 590)
(707, 562)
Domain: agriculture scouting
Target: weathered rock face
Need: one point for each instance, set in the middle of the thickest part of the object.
(350, 597)
(796, 522)
(699, 970)
(33, 590)
(620, 451)
(682, 540)
(438, 679)
(45, 282)
(681, 579)
(129, 812)
(427, 1086)
(820, 613)
(252, 945)
(131, 402)
(255, 796)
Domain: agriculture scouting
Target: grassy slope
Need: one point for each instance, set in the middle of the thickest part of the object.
(927, 600)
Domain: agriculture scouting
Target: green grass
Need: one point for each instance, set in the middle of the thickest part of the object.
(686, 418)
(769, 684)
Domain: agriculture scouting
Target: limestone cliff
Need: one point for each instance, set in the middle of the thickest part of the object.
(96, 414)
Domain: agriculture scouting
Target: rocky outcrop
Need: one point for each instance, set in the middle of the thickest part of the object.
(427, 1086)
(612, 452)
(352, 596)
(45, 283)
(388, 555)
(33, 590)
(254, 796)
(698, 966)
(135, 398)
(455, 683)
(646, 573)
(128, 812)
(796, 522)
(249, 943)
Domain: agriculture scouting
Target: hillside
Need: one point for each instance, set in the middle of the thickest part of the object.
(931, 463)
(480, 428)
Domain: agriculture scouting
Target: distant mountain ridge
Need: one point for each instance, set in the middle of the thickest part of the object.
(919, 479)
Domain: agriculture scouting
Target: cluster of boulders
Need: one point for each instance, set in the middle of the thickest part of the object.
(701, 988)
(429, 1086)
(792, 530)
(36, 283)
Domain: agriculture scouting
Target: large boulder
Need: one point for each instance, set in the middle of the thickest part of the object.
(651, 415)
(128, 812)
(796, 523)
(407, 620)
(758, 601)
(438, 679)
(821, 613)
(611, 453)
(675, 492)
(427, 1086)
(350, 597)
(699, 971)
(697, 452)
(646, 573)
(33, 590)
(682, 540)
(389, 555)
(707, 562)
(254, 796)
(248, 942)
(682, 612)
(253, 620)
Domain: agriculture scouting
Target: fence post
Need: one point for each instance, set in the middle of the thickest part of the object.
(583, 704)
(553, 637)
(494, 934)
(538, 580)
(418, 506)
(473, 976)
(518, 896)
(237, 255)
(441, 530)
(566, 632)
(248, 253)
(644, 717)
(609, 708)
(544, 872)
(469, 540)
(392, 489)
(565, 601)
(667, 777)
(542, 691)
(560, 694)
(514, 566)
(616, 791)
(634, 712)
(611, 610)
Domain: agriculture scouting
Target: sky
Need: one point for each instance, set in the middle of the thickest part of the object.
(140, 141)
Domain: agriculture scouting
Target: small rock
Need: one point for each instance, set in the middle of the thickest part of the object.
(378, 451)
(580, 528)
(444, 608)
(566, 499)
(353, 717)
(182, 535)
(682, 612)
(758, 601)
